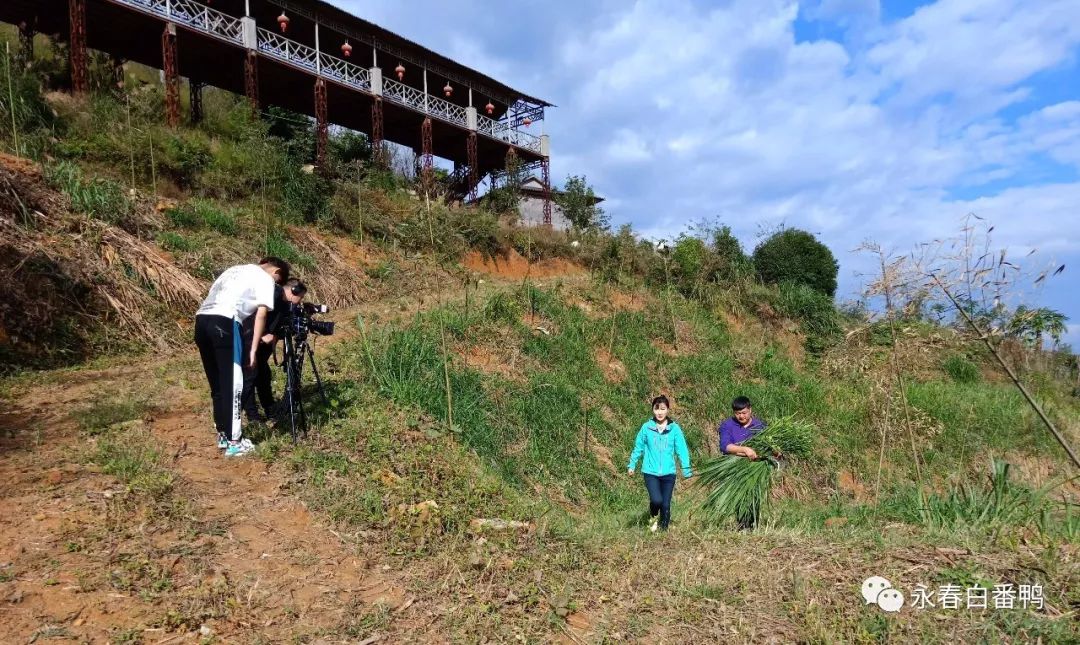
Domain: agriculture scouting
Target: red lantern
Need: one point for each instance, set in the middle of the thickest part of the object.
(400, 69)
(489, 108)
(346, 49)
(447, 90)
(283, 22)
(527, 121)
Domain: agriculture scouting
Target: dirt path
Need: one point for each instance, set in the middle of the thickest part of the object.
(244, 559)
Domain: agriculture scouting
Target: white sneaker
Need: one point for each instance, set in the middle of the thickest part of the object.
(239, 448)
(222, 442)
(655, 525)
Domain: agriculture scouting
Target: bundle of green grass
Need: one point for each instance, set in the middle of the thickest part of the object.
(738, 487)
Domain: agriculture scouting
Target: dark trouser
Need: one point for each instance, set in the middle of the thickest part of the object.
(257, 380)
(218, 339)
(660, 489)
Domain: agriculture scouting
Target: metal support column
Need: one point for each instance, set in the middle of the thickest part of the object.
(195, 89)
(172, 77)
(474, 165)
(119, 74)
(426, 155)
(377, 131)
(26, 43)
(322, 132)
(511, 167)
(251, 81)
(545, 169)
(80, 78)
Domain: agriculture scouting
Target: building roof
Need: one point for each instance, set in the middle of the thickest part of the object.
(408, 51)
(534, 186)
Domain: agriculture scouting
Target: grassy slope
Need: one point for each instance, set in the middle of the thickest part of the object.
(543, 438)
(518, 450)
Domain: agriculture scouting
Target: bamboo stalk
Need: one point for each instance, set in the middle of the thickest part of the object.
(442, 325)
(1008, 370)
(11, 98)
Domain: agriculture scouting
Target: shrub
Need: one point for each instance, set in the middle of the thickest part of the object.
(815, 312)
(961, 369)
(796, 256)
(184, 158)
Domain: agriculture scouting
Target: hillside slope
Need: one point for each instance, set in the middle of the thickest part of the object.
(132, 528)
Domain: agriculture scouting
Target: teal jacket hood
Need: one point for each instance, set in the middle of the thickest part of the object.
(658, 450)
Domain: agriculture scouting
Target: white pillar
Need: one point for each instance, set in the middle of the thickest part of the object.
(247, 7)
(318, 56)
(470, 117)
(374, 57)
(425, 91)
(376, 81)
(251, 34)
(545, 145)
(470, 97)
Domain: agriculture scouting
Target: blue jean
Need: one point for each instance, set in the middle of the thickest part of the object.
(660, 488)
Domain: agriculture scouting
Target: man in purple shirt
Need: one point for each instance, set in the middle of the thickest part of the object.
(740, 426)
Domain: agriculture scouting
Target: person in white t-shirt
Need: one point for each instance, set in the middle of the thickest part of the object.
(239, 292)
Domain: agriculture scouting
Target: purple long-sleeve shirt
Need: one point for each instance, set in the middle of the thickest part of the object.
(731, 431)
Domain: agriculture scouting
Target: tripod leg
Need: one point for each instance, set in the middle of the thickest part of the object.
(318, 379)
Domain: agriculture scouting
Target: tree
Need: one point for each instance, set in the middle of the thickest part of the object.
(796, 256)
(1032, 325)
(579, 204)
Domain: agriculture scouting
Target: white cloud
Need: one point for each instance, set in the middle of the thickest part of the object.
(678, 110)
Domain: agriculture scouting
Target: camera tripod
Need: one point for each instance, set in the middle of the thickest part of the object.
(297, 350)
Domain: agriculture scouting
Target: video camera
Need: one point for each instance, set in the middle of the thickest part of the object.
(301, 321)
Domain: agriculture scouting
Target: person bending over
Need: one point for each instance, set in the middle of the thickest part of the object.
(240, 292)
(258, 379)
(740, 426)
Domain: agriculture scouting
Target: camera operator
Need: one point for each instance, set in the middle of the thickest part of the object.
(257, 379)
(240, 292)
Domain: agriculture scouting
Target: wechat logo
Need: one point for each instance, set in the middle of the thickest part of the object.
(879, 591)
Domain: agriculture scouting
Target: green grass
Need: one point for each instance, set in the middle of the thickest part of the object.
(171, 241)
(201, 213)
(99, 198)
(278, 244)
(136, 461)
(961, 369)
(100, 416)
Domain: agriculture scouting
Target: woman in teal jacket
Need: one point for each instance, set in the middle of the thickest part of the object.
(659, 441)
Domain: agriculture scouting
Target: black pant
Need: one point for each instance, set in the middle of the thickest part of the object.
(257, 380)
(218, 339)
(660, 488)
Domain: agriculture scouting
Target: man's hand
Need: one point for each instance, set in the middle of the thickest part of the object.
(629, 471)
(749, 453)
(267, 339)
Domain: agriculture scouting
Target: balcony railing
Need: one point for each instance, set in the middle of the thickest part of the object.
(193, 15)
(201, 18)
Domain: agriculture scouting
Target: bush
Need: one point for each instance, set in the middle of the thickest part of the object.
(184, 158)
(796, 256)
(961, 369)
(815, 312)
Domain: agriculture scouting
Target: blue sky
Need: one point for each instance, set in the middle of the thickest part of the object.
(853, 119)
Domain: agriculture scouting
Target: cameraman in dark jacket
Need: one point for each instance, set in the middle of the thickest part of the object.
(257, 379)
